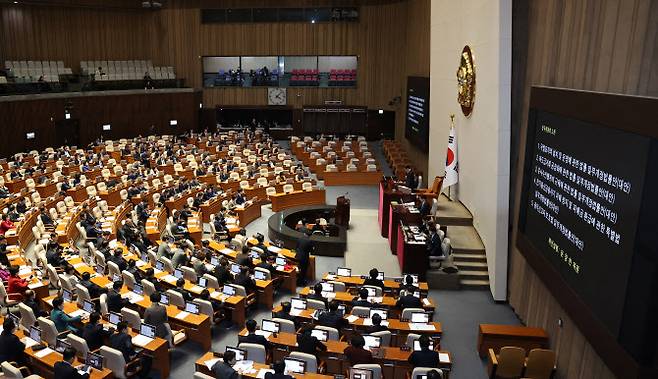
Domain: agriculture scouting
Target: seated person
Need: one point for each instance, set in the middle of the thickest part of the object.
(45, 217)
(117, 258)
(373, 281)
(94, 333)
(408, 285)
(243, 279)
(221, 271)
(180, 284)
(6, 224)
(308, 343)
(122, 341)
(223, 369)
(133, 269)
(114, 300)
(317, 294)
(355, 353)
(62, 321)
(284, 313)
(425, 357)
(240, 197)
(279, 368)
(94, 289)
(332, 317)
(408, 300)
(252, 337)
(376, 325)
(65, 369)
(156, 314)
(11, 347)
(216, 304)
(16, 285)
(362, 300)
(30, 300)
(243, 258)
(266, 263)
(3, 251)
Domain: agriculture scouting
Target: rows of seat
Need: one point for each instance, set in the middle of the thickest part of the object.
(31, 71)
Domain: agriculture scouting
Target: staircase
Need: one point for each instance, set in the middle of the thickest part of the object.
(467, 247)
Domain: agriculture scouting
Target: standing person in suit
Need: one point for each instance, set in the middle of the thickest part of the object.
(64, 369)
(11, 347)
(252, 337)
(433, 244)
(156, 315)
(223, 369)
(425, 357)
(94, 333)
(373, 281)
(308, 343)
(410, 179)
(243, 279)
(304, 248)
(279, 368)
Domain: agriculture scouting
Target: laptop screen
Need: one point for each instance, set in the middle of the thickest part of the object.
(420, 317)
(417, 345)
(88, 306)
(235, 268)
(414, 276)
(203, 282)
(114, 318)
(281, 261)
(164, 299)
(138, 289)
(147, 330)
(381, 312)
(192, 308)
(270, 326)
(260, 275)
(116, 278)
(228, 290)
(67, 295)
(380, 276)
(214, 261)
(327, 287)
(344, 271)
(372, 342)
(321, 335)
(61, 345)
(358, 373)
(145, 257)
(295, 366)
(95, 360)
(298, 303)
(159, 265)
(14, 318)
(100, 270)
(178, 273)
(35, 333)
(240, 355)
(372, 292)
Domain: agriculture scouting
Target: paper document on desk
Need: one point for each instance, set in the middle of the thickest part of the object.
(330, 277)
(262, 372)
(244, 366)
(79, 264)
(226, 251)
(140, 263)
(419, 326)
(264, 333)
(11, 257)
(368, 322)
(274, 249)
(78, 312)
(352, 318)
(43, 352)
(376, 299)
(29, 342)
(169, 278)
(444, 358)
(141, 340)
(34, 285)
(196, 289)
(211, 362)
(132, 297)
(182, 315)
(427, 302)
(24, 270)
(296, 312)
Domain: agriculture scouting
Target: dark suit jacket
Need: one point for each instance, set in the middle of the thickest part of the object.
(283, 315)
(374, 282)
(11, 348)
(424, 358)
(245, 281)
(271, 375)
(361, 303)
(222, 274)
(156, 315)
(309, 344)
(224, 371)
(375, 329)
(408, 301)
(123, 343)
(321, 298)
(254, 338)
(63, 370)
(357, 356)
(94, 289)
(332, 319)
(94, 335)
(115, 302)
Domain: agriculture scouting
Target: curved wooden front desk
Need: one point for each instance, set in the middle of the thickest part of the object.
(281, 201)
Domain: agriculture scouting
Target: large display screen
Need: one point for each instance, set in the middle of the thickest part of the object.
(587, 217)
(418, 112)
(584, 196)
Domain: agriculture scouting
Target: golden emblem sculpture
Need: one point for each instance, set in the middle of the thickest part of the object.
(466, 81)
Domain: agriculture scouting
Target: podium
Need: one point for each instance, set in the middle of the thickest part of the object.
(397, 213)
(342, 211)
(388, 192)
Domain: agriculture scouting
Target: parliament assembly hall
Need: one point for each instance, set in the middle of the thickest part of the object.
(329, 189)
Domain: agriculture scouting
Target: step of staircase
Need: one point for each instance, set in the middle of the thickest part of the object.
(474, 284)
(471, 265)
(473, 274)
(453, 213)
(469, 257)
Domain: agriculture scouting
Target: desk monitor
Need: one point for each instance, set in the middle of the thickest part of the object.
(420, 317)
(14, 318)
(203, 282)
(253, 254)
(67, 296)
(383, 313)
(342, 309)
(344, 271)
(164, 299)
(214, 260)
(228, 290)
(88, 306)
(94, 360)
(295, 366)
(259, 275)
(114, 318)
(417, 294)
(145, 257)
(372, 292)
(61, 345)
(178, 273)
(380, 276)
(359, 373)
(413, 276)
(235, 268)
(147, 330)
(328, 287)
(192, 307)
(270, 326)
(321, 335)
(137, 288)
(298, 303)
(100, 270)
(35, 334)
(240, 355)
(417, 345)
(372, 342)
(281, 261)
(159, 265)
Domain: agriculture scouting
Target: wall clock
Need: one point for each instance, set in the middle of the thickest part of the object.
(276, 96)
(466, 81)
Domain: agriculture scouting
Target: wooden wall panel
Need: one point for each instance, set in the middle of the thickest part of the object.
(599, 45)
